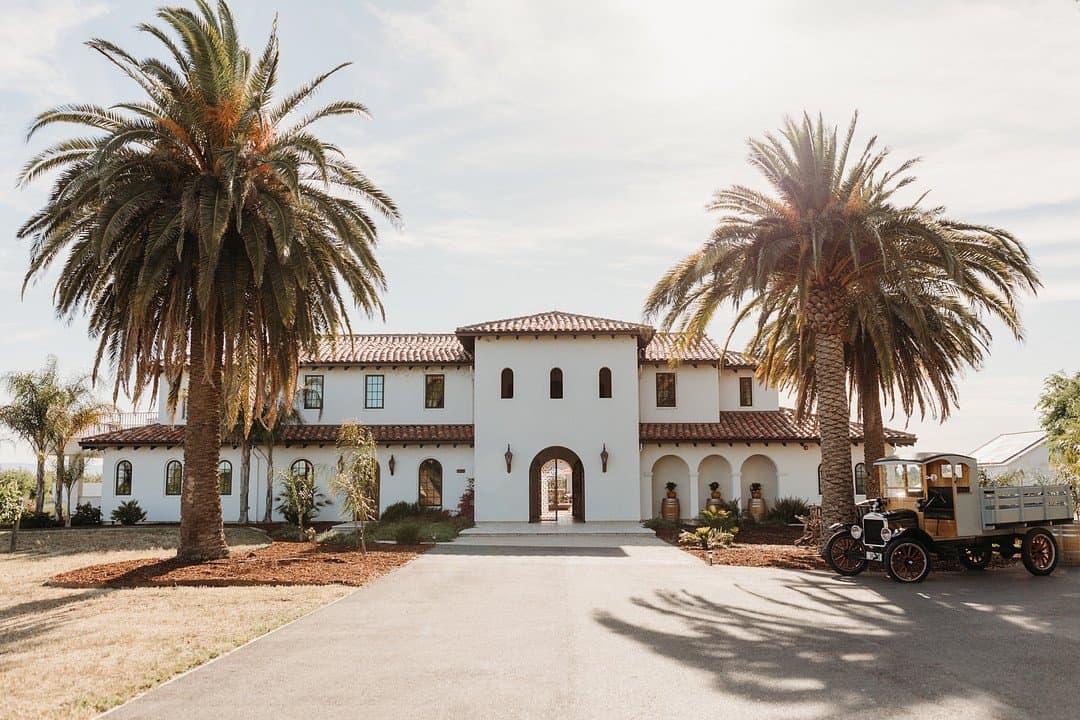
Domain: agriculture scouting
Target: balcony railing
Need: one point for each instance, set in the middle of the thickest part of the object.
(120, 421)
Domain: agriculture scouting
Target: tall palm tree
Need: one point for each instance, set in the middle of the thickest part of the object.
(206, 232)
(803, 253)
(33, 395)
(74, 410)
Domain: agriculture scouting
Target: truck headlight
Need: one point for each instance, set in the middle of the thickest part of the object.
(856, 531)
(886, 534)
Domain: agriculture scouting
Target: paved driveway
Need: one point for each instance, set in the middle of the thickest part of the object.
(637, 629)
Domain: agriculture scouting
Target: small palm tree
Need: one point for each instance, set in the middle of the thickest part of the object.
(74, 410)
(803, 255)
(207, 232)
(33, 396)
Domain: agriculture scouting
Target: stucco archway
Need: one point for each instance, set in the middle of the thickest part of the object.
(715, 468)
(670, 468)
(758, 468)
(557, 452)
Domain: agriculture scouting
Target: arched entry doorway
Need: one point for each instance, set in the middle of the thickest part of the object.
(556, 474)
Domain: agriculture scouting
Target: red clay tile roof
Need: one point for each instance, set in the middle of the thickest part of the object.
(396, 349)
(662, 348)
(158, 434)
(756, 426)
(558, 322)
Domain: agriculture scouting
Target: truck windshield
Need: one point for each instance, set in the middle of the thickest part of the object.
(902, 478)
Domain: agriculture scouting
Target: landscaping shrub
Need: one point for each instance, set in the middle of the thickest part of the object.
(300, 500)
(719, 519)
(466, 507)
(39, 520)
(657, 524)
(86, 514)
(407, 533)
(128, 513)
(708, 538)
(412, 511)
(785, 509)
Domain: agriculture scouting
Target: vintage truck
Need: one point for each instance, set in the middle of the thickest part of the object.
(933, 506)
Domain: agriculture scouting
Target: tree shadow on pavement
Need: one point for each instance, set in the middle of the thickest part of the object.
(822, 647)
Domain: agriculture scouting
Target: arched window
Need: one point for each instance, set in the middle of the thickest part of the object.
(174, 477)
(605, 382)
(507, 384)
(224, 473)
(860, 478)
(819, 478)
(430, 483)
(303, 469)
(556, 383)
(123, 478)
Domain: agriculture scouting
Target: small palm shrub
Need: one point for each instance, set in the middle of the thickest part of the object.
(719, 519)
(785, 509)
(707, 538)
(300, 500)
(86, 514)
(128, 513)
(407, 533)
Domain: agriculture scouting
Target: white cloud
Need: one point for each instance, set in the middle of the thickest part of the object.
(29, 38)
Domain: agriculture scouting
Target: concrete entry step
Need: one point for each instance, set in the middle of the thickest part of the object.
(520, 529)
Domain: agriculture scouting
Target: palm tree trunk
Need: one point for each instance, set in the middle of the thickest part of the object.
(202, 535)
(39, 495)
(828, 314)
(268, 513)
(58, 501)
(873, 425)
(245, 478)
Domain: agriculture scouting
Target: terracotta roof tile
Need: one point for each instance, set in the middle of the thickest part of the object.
(159, 434)
(662, 348)
(556, 321)
(756, 426)
(396, 349)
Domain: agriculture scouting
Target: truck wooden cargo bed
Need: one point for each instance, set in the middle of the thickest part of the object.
(1015, 505)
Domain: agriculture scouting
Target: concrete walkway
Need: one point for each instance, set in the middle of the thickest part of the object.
(595, 627)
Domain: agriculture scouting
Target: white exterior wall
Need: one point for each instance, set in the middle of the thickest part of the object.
(581, 421)
(1033, 463)
(403, 396)
(148, 478)
(696, 396)
(764, 397)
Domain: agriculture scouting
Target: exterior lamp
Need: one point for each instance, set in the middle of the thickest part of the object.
(390, 464)
(603, 458)
(509, 456)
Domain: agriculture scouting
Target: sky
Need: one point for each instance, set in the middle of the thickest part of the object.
(561, 154)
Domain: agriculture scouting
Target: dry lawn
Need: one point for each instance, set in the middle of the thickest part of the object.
(67, 653)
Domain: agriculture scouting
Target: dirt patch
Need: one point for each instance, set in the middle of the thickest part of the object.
(281, 563)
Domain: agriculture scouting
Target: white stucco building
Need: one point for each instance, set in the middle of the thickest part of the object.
(550, 414)
(1024, 455)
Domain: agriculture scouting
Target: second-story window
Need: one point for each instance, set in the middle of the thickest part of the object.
(556, 383)
(746, 392)
(605, 382)
(506, 384)
(313, 392)
(665, 389)
(434, 391)
(373, 394)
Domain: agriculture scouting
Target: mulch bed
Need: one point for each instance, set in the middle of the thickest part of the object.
(759, 546)
(280, 563)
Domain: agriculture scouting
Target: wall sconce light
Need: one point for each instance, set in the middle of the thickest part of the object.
(390, 464)
(603, 458)
(509, 456)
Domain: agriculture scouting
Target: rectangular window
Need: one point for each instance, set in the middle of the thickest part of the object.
(746, 392)
(373, 397)
(434, 391)
(665, 389)
(313, 392)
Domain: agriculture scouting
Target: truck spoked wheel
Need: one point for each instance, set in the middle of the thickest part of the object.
(1039, 552)
(976, 558)
(845, 554)
(907, 561)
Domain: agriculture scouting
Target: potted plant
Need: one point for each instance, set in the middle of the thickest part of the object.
(757, 505)
(714, 490)
(671, 489)
(755, 490)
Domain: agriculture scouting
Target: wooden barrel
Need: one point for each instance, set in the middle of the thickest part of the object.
(669, 509)
(1068, 538)
(757, 509)
(714, 504)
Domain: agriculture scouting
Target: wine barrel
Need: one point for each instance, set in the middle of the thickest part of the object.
(1068, 539)
(757, 509)
(714, 504)
(669, 509)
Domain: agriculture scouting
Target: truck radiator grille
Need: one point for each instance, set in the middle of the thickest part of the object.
(872, 531)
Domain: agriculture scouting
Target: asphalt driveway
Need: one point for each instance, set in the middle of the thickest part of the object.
(636, 629)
